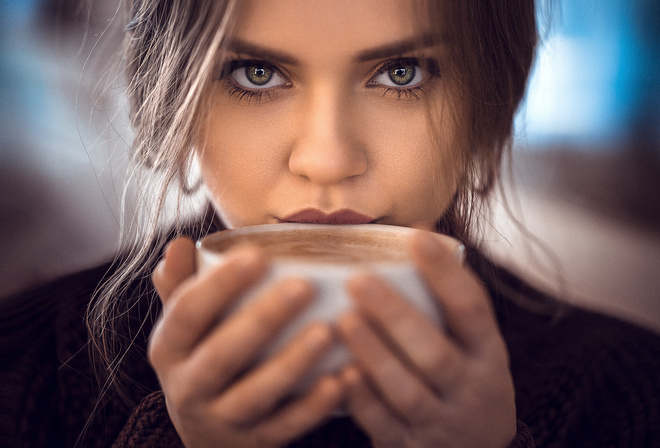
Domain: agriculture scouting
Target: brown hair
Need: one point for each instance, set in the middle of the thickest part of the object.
(171, 48)
(494, 52)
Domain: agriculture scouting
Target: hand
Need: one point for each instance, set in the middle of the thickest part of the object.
(417, 385)
(215, 395)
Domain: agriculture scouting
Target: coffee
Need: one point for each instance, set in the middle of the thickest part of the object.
(320, 244)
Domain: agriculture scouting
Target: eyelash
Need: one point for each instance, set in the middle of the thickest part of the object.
(241, 93)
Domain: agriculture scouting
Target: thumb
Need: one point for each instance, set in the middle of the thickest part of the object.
(176, 266)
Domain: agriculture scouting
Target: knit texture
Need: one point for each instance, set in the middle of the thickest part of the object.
(149, 425)
(581, 379)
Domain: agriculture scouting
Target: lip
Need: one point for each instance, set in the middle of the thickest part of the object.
(314, 216)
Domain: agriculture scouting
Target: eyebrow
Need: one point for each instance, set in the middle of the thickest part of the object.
(240, 46)
(255, 51)
(399, 48)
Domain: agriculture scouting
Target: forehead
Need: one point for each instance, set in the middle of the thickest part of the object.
(328, 26)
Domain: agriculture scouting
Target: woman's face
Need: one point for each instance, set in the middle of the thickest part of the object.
(320, 116)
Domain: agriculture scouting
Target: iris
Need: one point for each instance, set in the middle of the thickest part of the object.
(402, 74)
(258, 74)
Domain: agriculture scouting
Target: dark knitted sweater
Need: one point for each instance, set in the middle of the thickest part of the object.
(581, 379)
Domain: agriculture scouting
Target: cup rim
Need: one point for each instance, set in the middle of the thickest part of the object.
(214, 238)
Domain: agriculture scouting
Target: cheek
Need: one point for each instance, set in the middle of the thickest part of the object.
(240, 162)
(238, 147)
(420, 160)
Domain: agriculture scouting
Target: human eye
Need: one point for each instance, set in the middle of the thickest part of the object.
(252, 79)
(404, 77)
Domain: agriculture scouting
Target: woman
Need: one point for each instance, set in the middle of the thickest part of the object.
(346, 112)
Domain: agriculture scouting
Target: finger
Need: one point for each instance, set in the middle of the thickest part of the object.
(234, 345)
(421, 344)
(405, 393)
(262, 389)
(299, 417)
(466, 306)
(191, 312)
(177, 265)
(369, 412)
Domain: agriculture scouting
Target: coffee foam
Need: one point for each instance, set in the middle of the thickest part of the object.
(345, 244)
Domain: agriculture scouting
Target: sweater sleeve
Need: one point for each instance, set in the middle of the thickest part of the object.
(523, 438)
(149, 425)
(589, 381)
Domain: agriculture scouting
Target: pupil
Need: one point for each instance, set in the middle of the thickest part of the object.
(259, 75)
(402, 75)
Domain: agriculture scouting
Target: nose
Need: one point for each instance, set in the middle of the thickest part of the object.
(326, 149)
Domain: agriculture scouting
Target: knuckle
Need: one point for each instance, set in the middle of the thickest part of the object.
(180, 401)
(434, 360)
(237, 411)
(409, 400)
(442, 367)
(246, 413)
(454, 372)
(389, 369)
(229, 416)
(156, 349)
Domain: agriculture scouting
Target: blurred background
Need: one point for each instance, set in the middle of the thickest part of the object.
(585, 182)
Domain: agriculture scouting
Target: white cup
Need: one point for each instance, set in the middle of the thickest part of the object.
(328, 255)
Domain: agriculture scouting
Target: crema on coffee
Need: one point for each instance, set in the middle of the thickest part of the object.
(338, 244)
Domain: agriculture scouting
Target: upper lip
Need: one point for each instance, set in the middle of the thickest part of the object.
(314, 216)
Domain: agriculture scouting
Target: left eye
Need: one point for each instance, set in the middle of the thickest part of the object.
(400, 74)
(256, 75)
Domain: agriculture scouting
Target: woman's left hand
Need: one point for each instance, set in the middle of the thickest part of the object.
(415, 384)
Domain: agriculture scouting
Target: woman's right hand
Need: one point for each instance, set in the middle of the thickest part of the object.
(214, 394)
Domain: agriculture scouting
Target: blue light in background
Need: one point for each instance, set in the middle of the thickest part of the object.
(16, 13)
(595, 85)
(25, 89)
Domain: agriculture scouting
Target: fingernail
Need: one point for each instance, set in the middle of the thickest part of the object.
(367, 286)
(318, 338)
(296, 290)
(350, 325)
(351, 376)
(158, 270)
(459, 253)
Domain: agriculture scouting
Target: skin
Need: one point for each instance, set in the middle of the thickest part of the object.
(330, 139)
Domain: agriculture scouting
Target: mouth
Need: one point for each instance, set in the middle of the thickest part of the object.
(314, 216)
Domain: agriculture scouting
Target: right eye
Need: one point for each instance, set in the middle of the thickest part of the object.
(256, 75)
